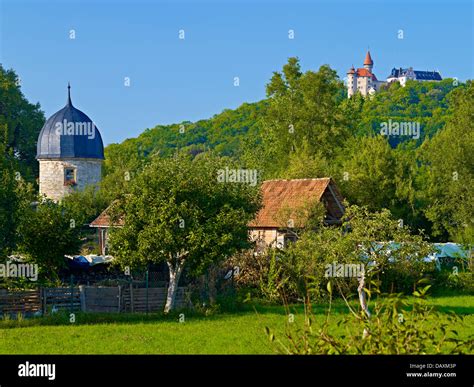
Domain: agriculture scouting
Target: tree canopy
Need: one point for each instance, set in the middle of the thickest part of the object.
(178, 212)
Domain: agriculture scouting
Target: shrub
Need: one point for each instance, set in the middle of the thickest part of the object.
(396, 325)
(451, 280)
(258, 276)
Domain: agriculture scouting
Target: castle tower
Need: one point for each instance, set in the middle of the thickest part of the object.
(351, 82)
(70, 152)
(368, 62)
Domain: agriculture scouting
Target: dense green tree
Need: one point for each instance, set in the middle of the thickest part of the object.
(178, 212)
(367, 173)
(304, 163)
(8, 206)
(46, 233)
(84, 206)
(423, 102)
(303, 107)
(449, 167)
(21, 122)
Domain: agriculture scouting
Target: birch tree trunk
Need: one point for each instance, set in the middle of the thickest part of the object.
(362, 296)
(175, 273)
(363, 301)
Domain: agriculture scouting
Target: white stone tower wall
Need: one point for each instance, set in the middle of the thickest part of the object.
(351, 84)
(363, 85)
(51, 179)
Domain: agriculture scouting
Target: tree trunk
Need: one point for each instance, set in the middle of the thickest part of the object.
(175, 273)
(363, 301)
(362, 296)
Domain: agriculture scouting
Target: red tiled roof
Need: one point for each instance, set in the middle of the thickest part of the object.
(368, 59)
(280, 194)
(365, 73)
(103, 220)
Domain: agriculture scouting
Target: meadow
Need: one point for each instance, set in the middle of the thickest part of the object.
(237, 332)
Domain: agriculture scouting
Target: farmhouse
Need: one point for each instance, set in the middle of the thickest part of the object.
(285, 202)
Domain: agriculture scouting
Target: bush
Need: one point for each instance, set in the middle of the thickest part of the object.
(395, 326)
(396, 279)
(258, 276)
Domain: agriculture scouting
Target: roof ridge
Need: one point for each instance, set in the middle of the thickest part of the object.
(306, 178)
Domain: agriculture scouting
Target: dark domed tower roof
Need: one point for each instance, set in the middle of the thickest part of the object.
(69, 133)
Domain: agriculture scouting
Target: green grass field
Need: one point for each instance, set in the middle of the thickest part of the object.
(240, 332)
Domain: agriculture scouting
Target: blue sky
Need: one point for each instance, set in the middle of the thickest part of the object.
(172, 80)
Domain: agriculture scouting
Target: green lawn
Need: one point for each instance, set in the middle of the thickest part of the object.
(222, 333)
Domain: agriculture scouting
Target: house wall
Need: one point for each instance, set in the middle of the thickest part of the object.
(270, 237)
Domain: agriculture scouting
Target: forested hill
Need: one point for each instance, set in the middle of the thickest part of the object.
(223, 132)
(306, 127)
(229, 131)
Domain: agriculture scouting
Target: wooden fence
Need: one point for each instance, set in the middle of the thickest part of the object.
(61, 299)
(100, 299)
(24, 301)
(151, 299)
(89, 299)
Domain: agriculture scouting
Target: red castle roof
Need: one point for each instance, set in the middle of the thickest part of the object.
(365, 73)
(368, 59)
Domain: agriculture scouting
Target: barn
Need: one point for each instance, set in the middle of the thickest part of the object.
(283, 200)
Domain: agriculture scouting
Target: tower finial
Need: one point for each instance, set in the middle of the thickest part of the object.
(69, 94)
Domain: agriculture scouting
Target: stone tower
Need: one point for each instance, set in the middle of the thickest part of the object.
(70, 152)
(351, 82)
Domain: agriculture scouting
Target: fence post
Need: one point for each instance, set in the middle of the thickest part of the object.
(119, 298)
(146, 292)
(131, 295)
(43, 301)
(72, 293)
(82, 293)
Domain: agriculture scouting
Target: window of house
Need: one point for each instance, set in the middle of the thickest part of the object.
(69, 176)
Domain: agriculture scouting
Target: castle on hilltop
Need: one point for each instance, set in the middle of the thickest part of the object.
(364, 81)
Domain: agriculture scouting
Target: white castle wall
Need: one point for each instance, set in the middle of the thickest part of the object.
(51, 179)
